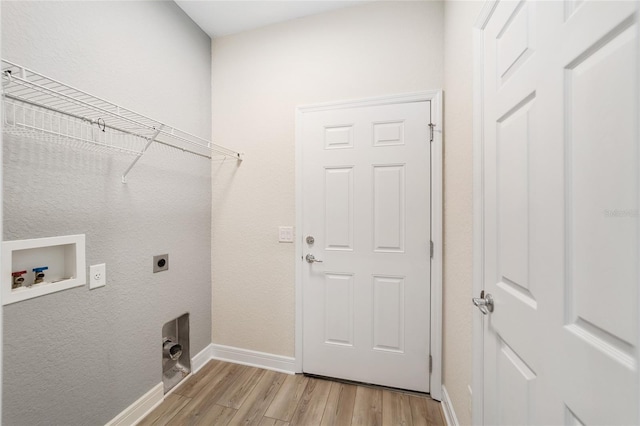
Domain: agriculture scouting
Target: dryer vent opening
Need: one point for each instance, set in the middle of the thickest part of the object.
(176, 360)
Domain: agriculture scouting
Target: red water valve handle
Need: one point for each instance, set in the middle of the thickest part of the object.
(17, 274)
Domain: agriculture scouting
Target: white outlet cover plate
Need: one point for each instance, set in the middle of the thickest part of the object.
(97, 276)
(285, 234)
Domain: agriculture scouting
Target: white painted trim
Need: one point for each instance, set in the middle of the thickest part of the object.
(137, 411)
(401, 98)
(1, 238)
(78, 275)
(140, 408)
(283, 364)
(447, 408)
(435, 97)
(298, 326)
(477, 410)
(437, 211)
(201, 358)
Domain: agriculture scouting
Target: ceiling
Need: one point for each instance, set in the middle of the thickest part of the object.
(219, 18)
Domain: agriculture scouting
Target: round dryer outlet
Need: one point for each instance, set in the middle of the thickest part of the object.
(160, 263)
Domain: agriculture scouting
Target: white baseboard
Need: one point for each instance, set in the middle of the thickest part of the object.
(283, 364)
(447, 408)
(150, 400)
(201, 358)
(140, 408)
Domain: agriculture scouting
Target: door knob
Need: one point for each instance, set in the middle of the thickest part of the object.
(484, 303)
(311, 259)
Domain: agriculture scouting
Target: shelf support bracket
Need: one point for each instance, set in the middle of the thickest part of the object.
(151, 140)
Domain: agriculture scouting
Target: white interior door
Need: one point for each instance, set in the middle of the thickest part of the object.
(366, 203)
(560, 159)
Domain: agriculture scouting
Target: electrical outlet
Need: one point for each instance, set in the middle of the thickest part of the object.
(285, 234)
(160, 263)
(97, 276)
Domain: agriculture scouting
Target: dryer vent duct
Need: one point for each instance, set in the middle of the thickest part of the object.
(176, 361)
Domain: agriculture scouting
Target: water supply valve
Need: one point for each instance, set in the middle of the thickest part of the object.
(18, 279)
(39, 274)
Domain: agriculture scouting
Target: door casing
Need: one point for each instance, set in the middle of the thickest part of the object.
(477, 380)
(435, 98)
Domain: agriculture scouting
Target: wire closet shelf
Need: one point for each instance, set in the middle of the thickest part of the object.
(40, 107)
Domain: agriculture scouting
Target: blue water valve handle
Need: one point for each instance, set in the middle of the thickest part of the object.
(39, 274)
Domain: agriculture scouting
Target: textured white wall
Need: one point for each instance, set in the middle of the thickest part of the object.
(459, 17)
(80, 357)
(258, 79)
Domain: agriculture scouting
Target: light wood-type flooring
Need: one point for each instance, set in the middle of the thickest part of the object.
(229, 394)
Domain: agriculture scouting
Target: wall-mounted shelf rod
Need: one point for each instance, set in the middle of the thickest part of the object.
(41, 107)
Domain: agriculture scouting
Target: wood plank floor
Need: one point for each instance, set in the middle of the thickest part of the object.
(229, 394)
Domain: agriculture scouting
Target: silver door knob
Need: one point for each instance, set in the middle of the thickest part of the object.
(484, 303)
(311, 259)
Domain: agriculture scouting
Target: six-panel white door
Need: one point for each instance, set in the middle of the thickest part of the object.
(366, 203)
(560, 220)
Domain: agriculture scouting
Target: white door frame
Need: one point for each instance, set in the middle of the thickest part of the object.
(477, 412)
(1, 239)
(435, 97)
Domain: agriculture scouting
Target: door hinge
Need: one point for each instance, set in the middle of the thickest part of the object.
(431, 126)
(431, 249)
(430, 364)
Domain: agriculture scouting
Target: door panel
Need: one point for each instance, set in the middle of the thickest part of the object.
(512, 355)
(515, 41)
(366, 202)
(338, 304)
(338, 202)
(560, 172)
(516, 387)
(388, 314)
(389, 133)
(601, 219)
(338, 137)
(388, 208)
(600, 248)
(513, 140)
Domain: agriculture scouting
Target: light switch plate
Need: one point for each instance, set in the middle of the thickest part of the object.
(97, 276)
(285, 234)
